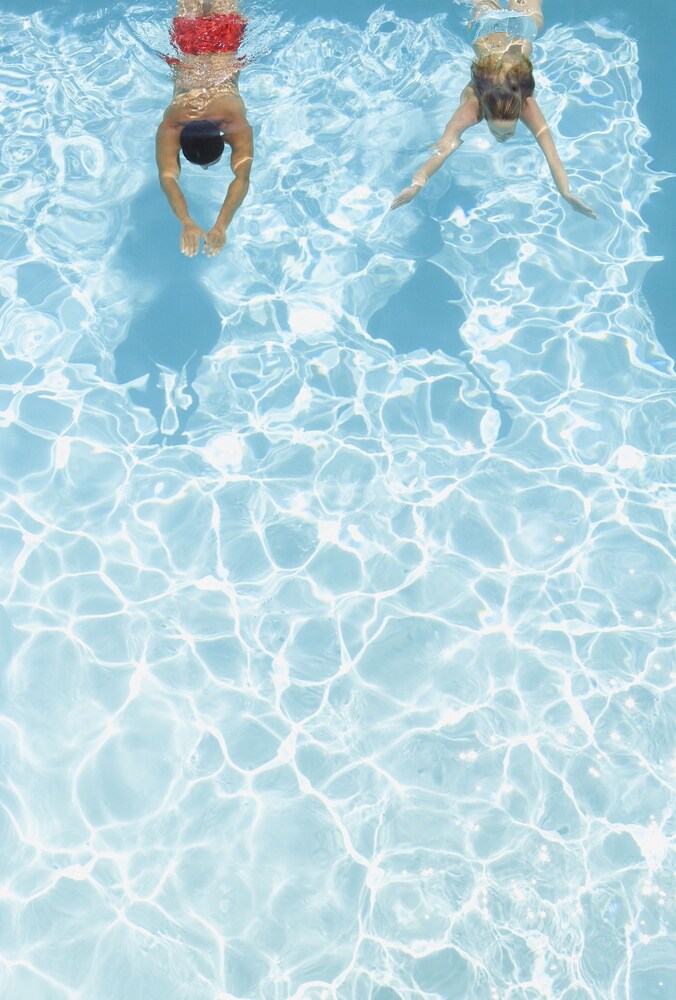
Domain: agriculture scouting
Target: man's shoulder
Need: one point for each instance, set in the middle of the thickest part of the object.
(236, 130)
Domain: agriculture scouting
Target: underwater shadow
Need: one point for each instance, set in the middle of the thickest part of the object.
(176, 323)
(425, 315)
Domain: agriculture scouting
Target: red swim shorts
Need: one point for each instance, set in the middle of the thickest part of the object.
(195, 36)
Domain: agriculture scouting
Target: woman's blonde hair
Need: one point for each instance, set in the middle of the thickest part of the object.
(502, 92)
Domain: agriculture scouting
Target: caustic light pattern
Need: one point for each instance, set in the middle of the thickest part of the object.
(328, 671)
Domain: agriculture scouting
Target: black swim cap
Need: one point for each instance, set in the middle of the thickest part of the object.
(202, 142)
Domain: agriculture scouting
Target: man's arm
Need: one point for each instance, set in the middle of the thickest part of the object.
(533, 119)
(241, 159)
(169, 169)
(466, 115)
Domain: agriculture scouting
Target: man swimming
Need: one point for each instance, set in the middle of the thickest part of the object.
(500, 91)
(206, 113)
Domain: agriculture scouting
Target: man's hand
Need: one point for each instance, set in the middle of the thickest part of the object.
(191, 235)
(215, 241)
(408, 194)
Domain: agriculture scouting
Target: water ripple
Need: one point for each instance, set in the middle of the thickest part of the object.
(329, 672)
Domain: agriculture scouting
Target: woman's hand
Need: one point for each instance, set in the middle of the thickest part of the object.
(579, 205)
(408, 194)
(215, 241)
(191, 234)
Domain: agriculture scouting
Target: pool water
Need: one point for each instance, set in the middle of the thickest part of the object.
(336, 620)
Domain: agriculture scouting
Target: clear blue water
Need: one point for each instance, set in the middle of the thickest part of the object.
(336, 626)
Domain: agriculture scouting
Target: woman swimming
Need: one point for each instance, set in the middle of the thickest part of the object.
(500, 91)
(205, 113)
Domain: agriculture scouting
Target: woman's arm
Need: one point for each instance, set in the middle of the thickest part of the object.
(241, 159)
(169, 169)
(465, 116)
(532, 117)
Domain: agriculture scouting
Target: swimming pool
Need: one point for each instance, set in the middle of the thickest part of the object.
(337, 615)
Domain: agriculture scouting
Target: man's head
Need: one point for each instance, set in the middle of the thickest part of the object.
(202, 143)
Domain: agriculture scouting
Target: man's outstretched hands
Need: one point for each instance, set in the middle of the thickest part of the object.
(215, 241)
(192, 236)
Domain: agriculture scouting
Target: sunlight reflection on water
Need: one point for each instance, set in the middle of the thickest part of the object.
(330, 670)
